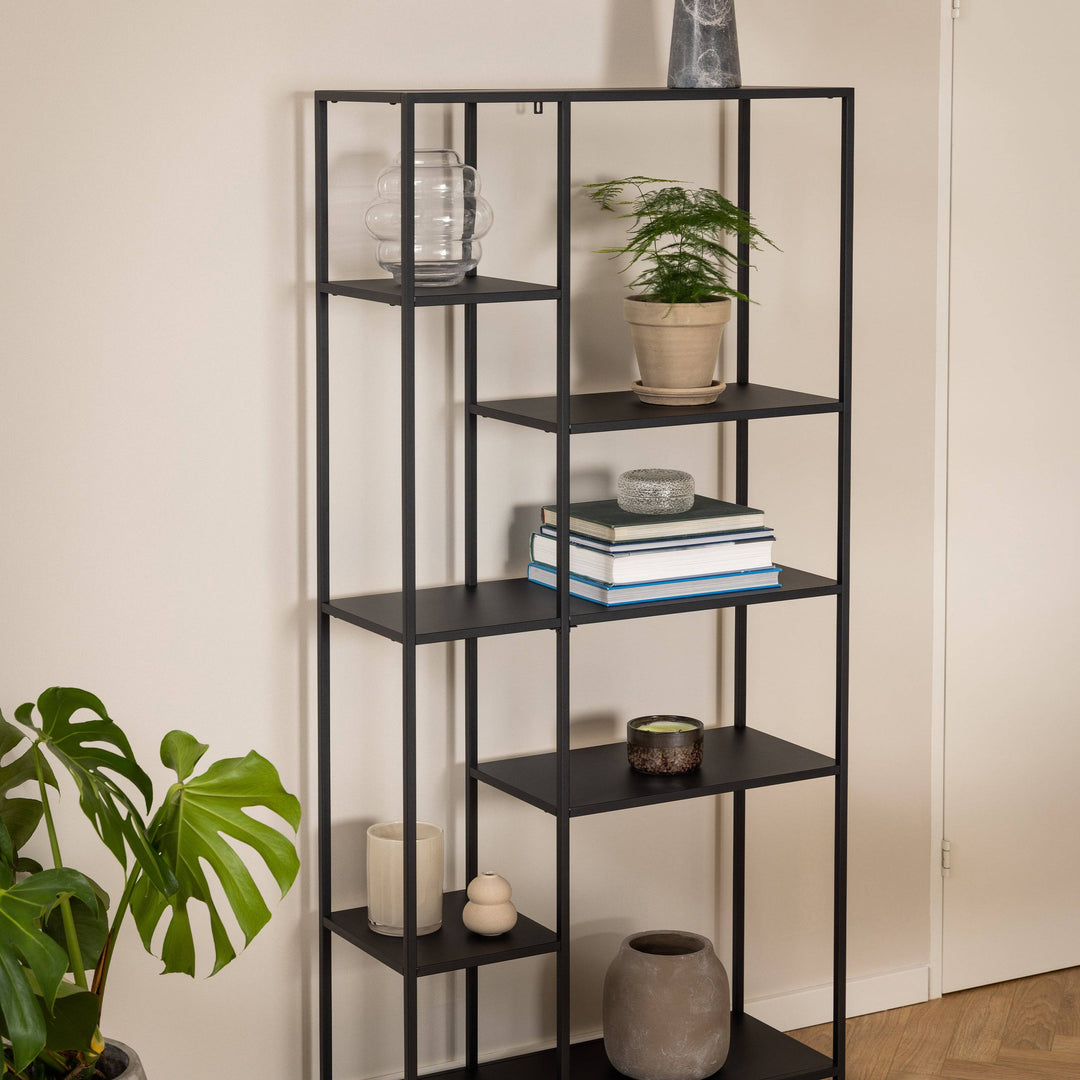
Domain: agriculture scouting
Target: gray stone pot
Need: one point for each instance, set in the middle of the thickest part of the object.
(667, 1007)
(704, 44)
(120, 1062)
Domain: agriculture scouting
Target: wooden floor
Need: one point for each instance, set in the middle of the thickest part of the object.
(1023, 1030)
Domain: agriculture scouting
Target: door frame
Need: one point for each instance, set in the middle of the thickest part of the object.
(946, 59)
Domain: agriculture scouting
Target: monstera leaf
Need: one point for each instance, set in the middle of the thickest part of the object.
(74, 1019)
(190, 831)
(19, 816)
(83, 748)
(29, 959)
(91, 926)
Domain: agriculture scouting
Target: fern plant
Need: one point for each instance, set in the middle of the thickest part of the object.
(680, 239)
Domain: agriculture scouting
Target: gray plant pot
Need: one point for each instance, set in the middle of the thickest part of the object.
(120, 1062)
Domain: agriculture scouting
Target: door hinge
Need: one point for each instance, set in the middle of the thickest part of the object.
(956, 9)
(946, 857)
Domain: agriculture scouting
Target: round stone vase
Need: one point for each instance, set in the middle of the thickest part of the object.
(667, 1007)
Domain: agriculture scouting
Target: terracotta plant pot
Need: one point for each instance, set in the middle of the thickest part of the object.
(677, 345)
(667, 1007)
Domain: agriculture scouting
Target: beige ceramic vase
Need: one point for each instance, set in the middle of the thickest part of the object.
(667, 1007)
(489, 911)
(677, 346)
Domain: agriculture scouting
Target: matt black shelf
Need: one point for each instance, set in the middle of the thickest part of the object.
(622, 410)
(515, 606)
(473, 290)
(625, 93)
(758, 1052)
(601, 780)
(449, 949)
(455, 612)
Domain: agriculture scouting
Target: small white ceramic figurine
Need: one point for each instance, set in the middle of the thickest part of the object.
(489, 911)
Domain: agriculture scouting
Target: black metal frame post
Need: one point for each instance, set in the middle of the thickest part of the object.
(843, 569)
(472, 707)
(408, 573)
(563, 593)
(742, 484)
(322, 499)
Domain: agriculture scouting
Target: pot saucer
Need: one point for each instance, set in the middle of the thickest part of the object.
(679, 395)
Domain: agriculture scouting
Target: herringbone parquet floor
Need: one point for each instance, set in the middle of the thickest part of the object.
(1023, 1030)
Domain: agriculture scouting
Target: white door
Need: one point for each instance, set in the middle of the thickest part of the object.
(1012, 712)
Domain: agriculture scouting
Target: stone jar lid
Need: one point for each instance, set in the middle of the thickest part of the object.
(655, 491)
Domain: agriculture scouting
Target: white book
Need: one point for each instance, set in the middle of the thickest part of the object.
(764, 533)
(665, 564)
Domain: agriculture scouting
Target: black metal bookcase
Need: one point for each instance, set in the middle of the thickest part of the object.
(568, 784)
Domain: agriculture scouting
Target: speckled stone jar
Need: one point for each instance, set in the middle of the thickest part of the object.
(655, 491)
(667, 1007)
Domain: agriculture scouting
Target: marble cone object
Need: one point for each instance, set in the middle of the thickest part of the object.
(704, 44)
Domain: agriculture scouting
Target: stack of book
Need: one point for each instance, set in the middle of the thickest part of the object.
(621, 558)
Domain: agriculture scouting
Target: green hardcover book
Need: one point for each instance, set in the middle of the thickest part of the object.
(604, 520)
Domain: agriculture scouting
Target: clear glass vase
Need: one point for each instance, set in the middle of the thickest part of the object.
(449, 218)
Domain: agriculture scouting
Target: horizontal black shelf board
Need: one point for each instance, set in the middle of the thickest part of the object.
(629, 93)
(473, 290)
(622, 409)
(601, 779)
(758, 1052)
(515, 606)
(452, 612)
(450, 948)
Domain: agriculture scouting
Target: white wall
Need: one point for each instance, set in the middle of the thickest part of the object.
(157, 464)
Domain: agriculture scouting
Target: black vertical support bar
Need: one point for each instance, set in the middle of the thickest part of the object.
(472, 712)
(843, 568)
(322, 483)
(563, 592)
(408, 570)
(742, 486)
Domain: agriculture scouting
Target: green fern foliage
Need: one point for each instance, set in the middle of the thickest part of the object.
(682, 242)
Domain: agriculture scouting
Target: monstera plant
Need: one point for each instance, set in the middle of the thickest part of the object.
(57, 932)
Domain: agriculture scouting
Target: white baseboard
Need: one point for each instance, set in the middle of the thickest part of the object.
(876, 993)
(785, 1012)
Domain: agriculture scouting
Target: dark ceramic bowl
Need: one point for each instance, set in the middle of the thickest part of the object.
(665, 753)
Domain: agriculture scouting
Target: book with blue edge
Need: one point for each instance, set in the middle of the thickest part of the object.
(676, 589)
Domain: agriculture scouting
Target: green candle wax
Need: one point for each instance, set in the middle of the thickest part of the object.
(666, 726)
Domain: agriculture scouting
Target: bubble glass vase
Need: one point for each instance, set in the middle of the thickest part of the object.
(449, 218)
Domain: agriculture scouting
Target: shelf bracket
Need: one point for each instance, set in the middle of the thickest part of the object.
(538, 108)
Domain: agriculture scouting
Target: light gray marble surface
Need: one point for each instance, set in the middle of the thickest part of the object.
(704, 44)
